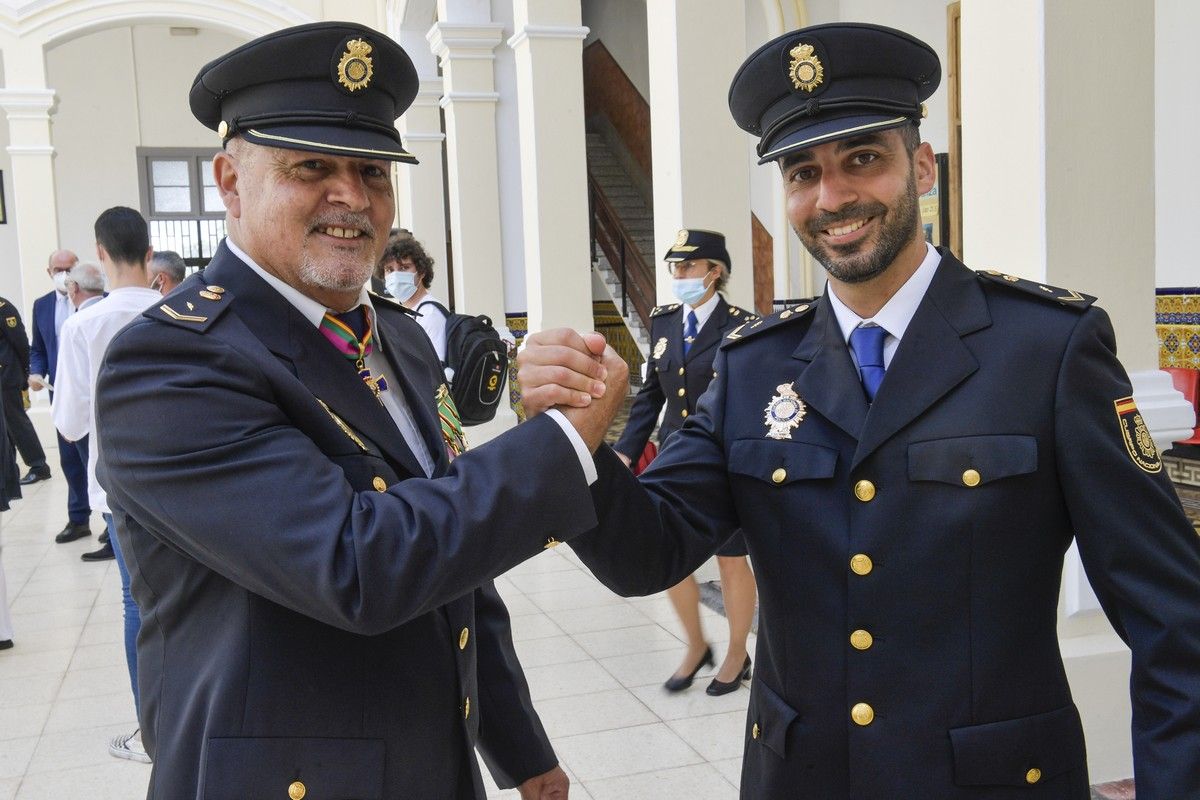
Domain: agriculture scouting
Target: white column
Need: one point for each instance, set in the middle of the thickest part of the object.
(548, 45)
(700, 174)
(1058, 188)
(420, 197)
(33, 204)
(469, 101)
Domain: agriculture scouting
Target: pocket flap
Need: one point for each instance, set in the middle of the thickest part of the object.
(330, 769)
(990, 457)
(760, 458)
(1006, 753)
(770, 718)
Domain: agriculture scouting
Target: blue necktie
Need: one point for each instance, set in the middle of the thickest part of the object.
(867, 344)
(689, 332)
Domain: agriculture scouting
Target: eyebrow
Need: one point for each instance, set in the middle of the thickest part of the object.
(804, 156)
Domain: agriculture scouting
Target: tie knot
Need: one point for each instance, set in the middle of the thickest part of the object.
(350, 332)
(692, 320)
(867, 342)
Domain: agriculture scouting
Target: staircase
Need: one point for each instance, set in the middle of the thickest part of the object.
(620, 194)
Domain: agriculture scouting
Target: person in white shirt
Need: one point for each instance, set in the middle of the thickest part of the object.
(408, 274)
(123, 244)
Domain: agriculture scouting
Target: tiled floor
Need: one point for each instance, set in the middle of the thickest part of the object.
(595, 664)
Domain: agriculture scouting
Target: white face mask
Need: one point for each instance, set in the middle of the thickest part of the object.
(401, 285)
(60, 282)
(689, 290)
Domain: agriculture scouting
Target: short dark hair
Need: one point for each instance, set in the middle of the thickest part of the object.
(123, 233)
(402, 247)
(170, 263)
(910, 134)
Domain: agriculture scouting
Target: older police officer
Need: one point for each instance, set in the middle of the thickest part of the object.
(910, 457)
(305, 562)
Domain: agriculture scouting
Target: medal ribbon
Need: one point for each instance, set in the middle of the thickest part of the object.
(352, 335)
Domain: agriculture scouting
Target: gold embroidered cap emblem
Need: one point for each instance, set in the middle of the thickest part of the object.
(806, 70)
(1138, 442)
(784, 412)
(660, 347)
(680, 240)
(355, 70)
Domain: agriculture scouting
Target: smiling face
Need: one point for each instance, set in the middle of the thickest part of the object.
(853, 203)
(317, 222)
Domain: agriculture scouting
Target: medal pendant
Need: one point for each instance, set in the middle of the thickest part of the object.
(784, 412)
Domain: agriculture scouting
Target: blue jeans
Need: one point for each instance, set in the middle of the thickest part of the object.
(133, 619)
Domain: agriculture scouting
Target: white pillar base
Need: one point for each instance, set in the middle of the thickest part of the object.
(1168, 415)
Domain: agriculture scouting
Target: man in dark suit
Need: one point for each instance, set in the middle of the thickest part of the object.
(312, 569)
(684, 338)
(50, 311)
(14, 382)
(910, 456)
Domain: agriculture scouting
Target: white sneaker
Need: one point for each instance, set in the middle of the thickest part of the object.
(129, 747)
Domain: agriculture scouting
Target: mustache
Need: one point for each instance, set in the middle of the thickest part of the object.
(849, 213)
(344, 220)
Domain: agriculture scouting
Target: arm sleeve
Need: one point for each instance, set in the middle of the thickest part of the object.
(20, 342)
(193, 438)
(37, 351)
(1142, 558)
(657, 529)
(643, 414)
(512, 741)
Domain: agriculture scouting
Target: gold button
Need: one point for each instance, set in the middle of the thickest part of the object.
(864, 490)
(862, 714)
(861, 640)
(462, 639)
(971, 477)
(682, 392)
(551, 542)
(755, 731)
(466, 708)
(380, 484)
(681, 370)
(683, 413)
(1033, 776)
(296, 791)
(223, 131)
(861, 564)
(779, 475)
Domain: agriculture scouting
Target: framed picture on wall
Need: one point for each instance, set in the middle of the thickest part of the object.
(935, 205)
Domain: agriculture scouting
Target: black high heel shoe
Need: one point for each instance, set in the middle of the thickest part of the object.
(718, 688)
(677, 684)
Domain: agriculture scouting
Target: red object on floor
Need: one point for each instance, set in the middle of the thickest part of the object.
(649, 452)
(1188, 382)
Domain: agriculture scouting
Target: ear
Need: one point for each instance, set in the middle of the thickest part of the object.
(149, 255)
(925, 166)
(101, 253)
(225, 173)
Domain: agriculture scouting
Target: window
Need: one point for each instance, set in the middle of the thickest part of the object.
(181, 202)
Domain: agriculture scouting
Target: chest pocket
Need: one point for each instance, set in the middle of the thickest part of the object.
(972, 460)
(780, 463)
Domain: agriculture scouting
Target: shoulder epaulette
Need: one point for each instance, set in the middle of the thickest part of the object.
(742, 314)
(3, 304)
(390, 302)
(658, 311)
(757, 325)
(193, 307)
(1064, 297)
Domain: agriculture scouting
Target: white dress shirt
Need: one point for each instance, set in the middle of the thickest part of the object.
(62, 310)
(896, 313)
(81, 344)
(433, 321)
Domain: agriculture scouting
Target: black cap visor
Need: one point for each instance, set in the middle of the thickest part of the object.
(332, 140)
(806, 133)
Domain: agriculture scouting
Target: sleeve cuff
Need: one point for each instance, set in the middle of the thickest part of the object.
(586, 461)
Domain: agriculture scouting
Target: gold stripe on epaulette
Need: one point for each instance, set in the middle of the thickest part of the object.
(734, 334)
(175, 315)
(341, 424)
(1072, 297)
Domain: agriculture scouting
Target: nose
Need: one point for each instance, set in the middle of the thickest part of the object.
(835, 191)
(346, 189)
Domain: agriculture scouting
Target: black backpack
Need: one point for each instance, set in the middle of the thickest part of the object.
(479, 358)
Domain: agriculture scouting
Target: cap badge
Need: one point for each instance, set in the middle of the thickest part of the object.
(660, 347)
(680, 240)
(806, 70)
(784, 412)
(355, 69)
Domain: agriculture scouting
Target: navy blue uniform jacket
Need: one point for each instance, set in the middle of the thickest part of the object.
(310, 610)
(931, 595)
(43, 353)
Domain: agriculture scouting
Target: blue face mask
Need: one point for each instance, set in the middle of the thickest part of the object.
(689, 290)
(401, 285)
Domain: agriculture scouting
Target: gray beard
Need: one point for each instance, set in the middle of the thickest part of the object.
(314, 273)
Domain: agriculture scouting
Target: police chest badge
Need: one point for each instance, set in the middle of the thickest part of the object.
(1137, 437)
(660, 347)
(784, 412)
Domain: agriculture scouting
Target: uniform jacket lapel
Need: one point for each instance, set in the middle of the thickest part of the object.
(830, 383)
(325, 372)
(932, 358)
(710, 335)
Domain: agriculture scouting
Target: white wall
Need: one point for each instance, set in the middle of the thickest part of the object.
(1177, 160)
(99, 124)
(10, 268)
(508, 146)
(621, 25)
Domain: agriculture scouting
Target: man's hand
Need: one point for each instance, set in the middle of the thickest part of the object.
(560, 368)
(552, 785)
(37, 383)
(592, 422)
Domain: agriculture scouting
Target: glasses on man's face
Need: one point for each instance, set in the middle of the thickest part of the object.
(688, 269)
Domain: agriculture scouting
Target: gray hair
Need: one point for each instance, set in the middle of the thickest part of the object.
(169, 263)
(87, 276)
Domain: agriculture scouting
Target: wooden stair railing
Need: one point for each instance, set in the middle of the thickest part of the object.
(614, 240)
